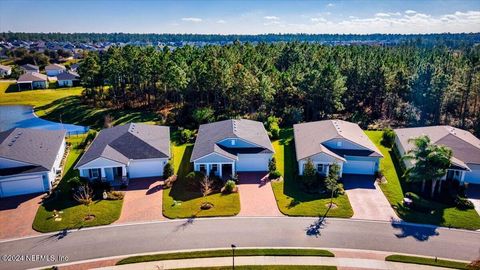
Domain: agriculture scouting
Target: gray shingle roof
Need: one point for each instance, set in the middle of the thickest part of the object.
(465, 146)
(30, 67)
(32, 77)
(67, 76)
(210, 134)
(309, 138)
(132, 141)
(6, 68)
(55, 67)
(37, 147)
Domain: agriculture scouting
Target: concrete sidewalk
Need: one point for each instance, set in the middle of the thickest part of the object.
(345, 263)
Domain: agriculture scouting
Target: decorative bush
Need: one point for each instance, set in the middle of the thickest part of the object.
(272, 127)
(115, 195)
(167, 170)
(229, 187)
(388, 137)
(463, 203)
(272, 165)
(186, 135)
(274, 175)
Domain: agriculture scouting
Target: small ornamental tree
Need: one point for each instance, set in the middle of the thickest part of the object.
(309, 174)
(331, 181)
(85, 197)
(388, 137)
(272, 165)
(206, 188)
(167, 170)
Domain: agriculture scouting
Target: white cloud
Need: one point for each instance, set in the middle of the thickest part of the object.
(221, 21)
(271, 18)
(382, 14)
(319, 19)
(192, 19)
(409, 11)
(330, 5)
(271, 23)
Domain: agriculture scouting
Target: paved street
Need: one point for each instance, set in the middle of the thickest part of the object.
(245, 232)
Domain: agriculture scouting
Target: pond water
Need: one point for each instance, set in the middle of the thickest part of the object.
(23, 117)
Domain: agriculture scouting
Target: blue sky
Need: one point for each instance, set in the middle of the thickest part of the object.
(240, 17)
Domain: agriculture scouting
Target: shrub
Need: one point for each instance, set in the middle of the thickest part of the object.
(272, 165)
(204, 115)
(75, 182)
(186, 135)
(388, 137)
(463, 203)
(340, 189)
(99, 185)
(115, 195)
(229, 187)
(272, 127)
(167, 170)
(274, 175)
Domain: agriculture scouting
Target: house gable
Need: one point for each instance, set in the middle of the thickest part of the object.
(213, 158)
(342, 143)
(100, 162)
(10, 163)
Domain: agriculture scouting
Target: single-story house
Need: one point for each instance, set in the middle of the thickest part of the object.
(29, 160)
(5, 71)
(54, 69)
(30, 68)
(32, 80)
(68, 79)
(231, 146)
(126, 152)
(465, 146)
(335, 141)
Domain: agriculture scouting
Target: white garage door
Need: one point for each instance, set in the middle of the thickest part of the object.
(22, 185)
(146, 168)
(252, 163)
(359, 167)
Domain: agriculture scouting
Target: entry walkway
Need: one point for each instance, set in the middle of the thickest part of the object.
(256, 196)
(473, 194)
(367, 199)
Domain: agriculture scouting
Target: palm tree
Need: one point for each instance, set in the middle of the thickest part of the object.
(431, 162)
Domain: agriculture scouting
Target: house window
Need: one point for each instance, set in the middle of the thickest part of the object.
(202, 168)
(339, 144)
(232, 142)
(95, 173)
(214, 168)
(321, 168)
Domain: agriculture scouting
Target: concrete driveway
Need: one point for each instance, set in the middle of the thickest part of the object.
(367, 200)
(17, 215)
(256, 196)
(142, 201)
(473, 194)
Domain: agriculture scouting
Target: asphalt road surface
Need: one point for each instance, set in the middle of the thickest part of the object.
(243, 232)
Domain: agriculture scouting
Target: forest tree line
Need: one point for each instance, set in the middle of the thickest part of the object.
(395, 86)
(446, 39)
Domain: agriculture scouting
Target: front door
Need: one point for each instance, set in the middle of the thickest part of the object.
(109, 174)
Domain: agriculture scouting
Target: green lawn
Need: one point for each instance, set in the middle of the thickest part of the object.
(226, 253)
(65, 104)
(394, 189)
(105, 211)
(427, 261)
(179, 202)
(291, 200)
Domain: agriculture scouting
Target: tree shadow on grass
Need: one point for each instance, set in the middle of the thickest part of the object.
(12, 88)
(180, 189)
(72, 110)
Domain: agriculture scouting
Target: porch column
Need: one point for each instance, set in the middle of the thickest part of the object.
(341, 168)
(102, 172)
(220, 169)
(463, 177)
(208, 168)
(233, 169)
(300, 168)
(328, 169)
(124, 171)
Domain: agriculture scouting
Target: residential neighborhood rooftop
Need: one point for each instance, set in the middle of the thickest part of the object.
(32, 77)
(309, 139)
(132, 141)
(30, 67)
(66, 76)
(210, 134)
(465, 146)
(36, 147)
(6, 68)
(55, 67)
